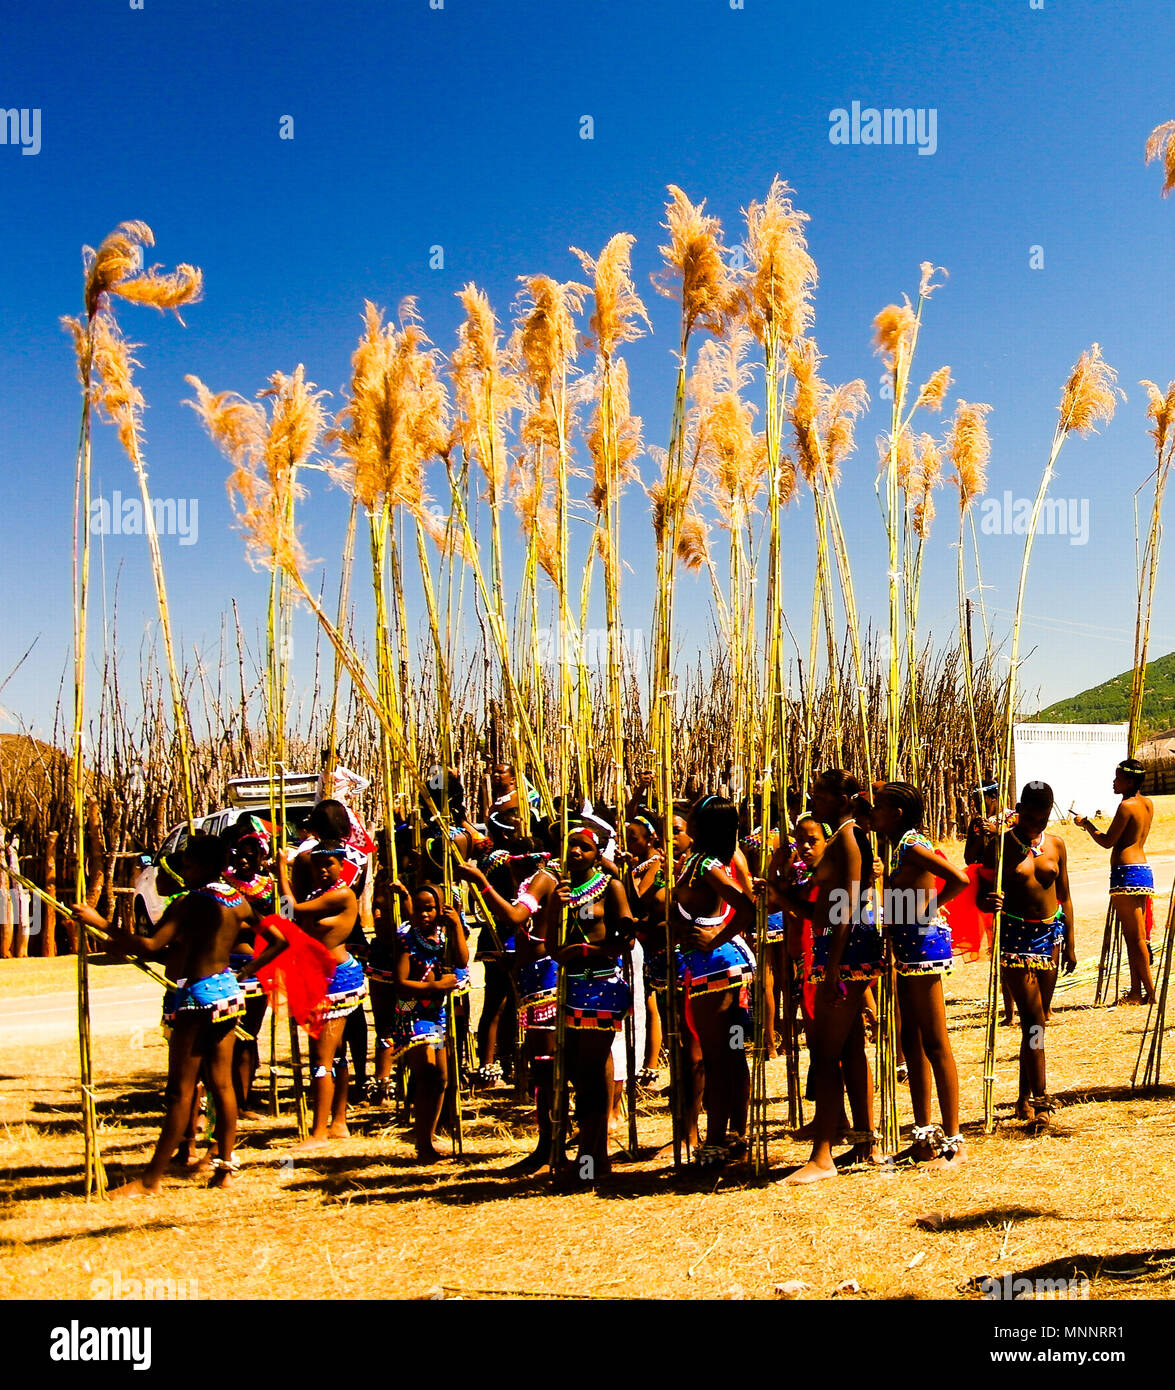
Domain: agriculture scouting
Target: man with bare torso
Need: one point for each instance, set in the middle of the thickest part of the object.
(1132, 881)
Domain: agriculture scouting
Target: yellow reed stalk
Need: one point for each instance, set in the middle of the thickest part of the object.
(780, 281)
(824, 421)
(919, 513)
(114, 270)
(896, 330)
(94, 1170)
(896, 335)
(487, 389)
(547, 347)
(733, 460)
(344, 592)
(267, 452)
(614, 442)
(1161, 410)
(1089, 396)
(695, 273)
(501, 639)
(968, 446)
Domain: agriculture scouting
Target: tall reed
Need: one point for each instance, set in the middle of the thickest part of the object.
(1089, 396)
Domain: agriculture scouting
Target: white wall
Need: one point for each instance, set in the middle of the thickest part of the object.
(1076, 760)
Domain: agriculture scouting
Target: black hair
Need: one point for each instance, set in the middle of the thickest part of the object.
(209, 855)
(438, 896)
(716, 828)
(1038, 794)
(839, 782)
(449, 793)
(1132, 768)
(806, 819)
(909, 801)
(647, 824)
(329, 820)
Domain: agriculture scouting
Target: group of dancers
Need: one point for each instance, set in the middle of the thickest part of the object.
(594, 931)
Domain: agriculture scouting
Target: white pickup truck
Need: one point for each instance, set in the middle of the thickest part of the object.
(154, 887)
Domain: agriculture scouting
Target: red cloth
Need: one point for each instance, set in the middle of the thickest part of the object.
(971, 929)
(806, 958)
(300, 975)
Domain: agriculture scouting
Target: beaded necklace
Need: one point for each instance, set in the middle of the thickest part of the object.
(911, 837)
(1034, 847)
(588, 892)
(221, 892)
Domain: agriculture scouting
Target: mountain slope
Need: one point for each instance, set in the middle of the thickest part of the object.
(1109, 703)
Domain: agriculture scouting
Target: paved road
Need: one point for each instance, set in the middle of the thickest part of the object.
(124, 1009)
(48, 1018)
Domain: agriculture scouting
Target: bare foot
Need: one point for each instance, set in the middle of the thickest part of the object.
(532, 1163)
(339, 1131)
(251, 1116)
(427, 1154)
(222, 1178)
(1133, 997)
(314, 1141)
(810, 1173)
(1025, 1109)
(137, 1188)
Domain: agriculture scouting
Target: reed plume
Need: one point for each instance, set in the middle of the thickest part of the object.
(614, 441)
(394, 421)
(1160, 143)
(968, 447)
(696, 272)
(824, 428)
(777, 292)
(1161, 411)
(115, 270)
(106, 371)
(782, 276)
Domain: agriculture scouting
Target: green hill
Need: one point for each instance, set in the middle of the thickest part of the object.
(1109, 703)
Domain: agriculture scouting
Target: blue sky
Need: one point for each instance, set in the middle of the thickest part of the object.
(460, 127)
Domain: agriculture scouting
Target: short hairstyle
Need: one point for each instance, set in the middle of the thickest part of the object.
(208, 854)
(329, 820)
(839, 782)
(434, 892)
(1132, 768)
(716, 828)
(646, 823)
(1037, 794)
(909, 801)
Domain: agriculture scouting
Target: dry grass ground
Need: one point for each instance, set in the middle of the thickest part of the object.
(1092, 1197)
